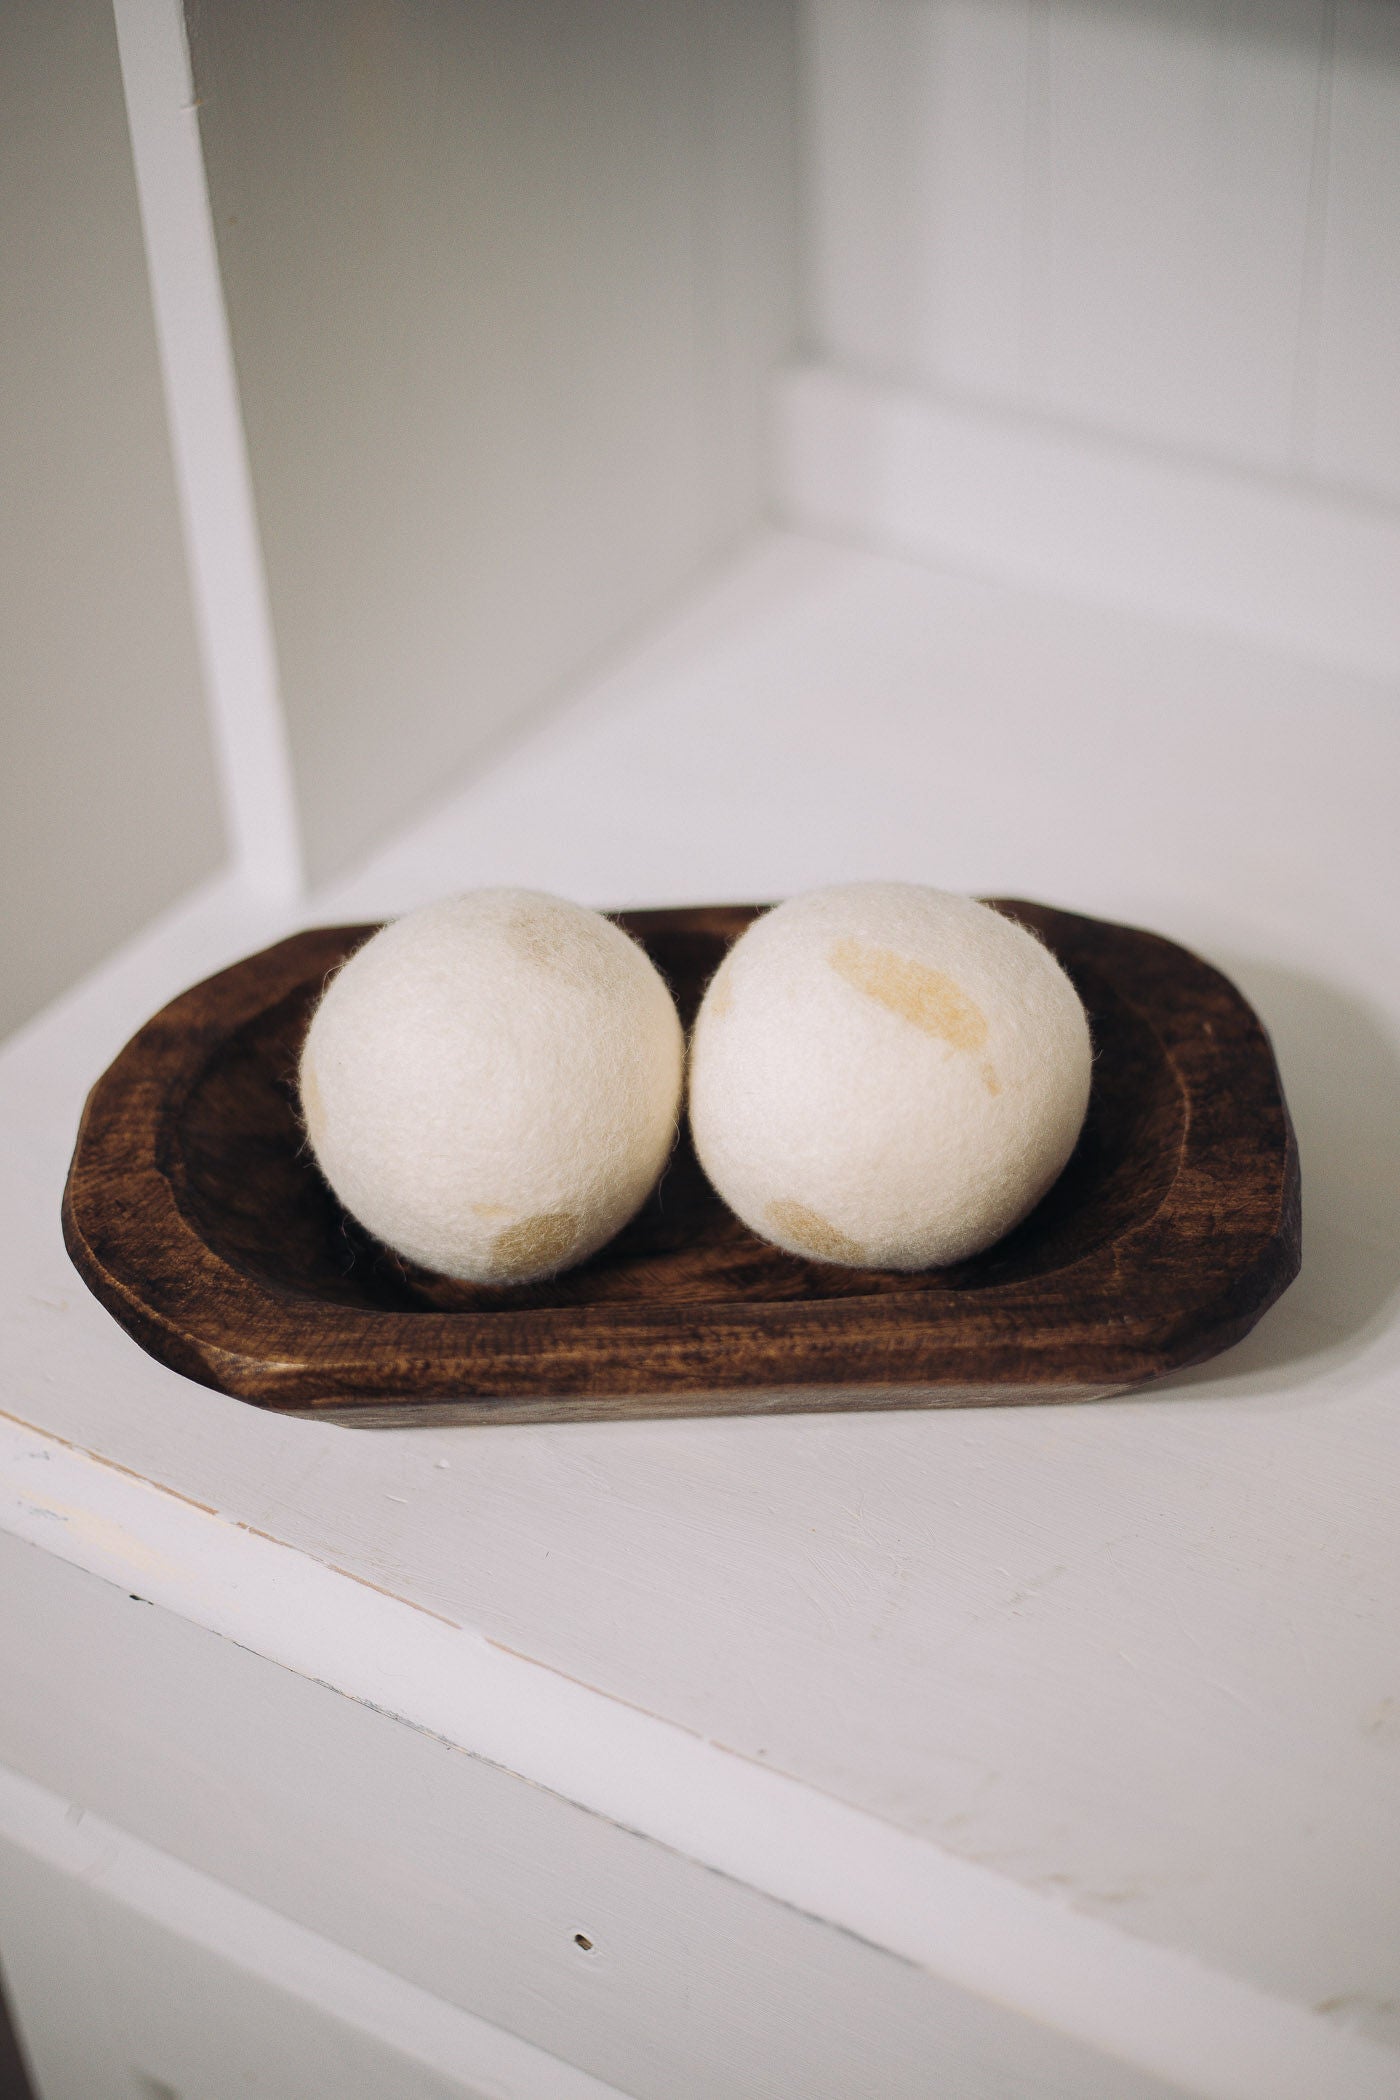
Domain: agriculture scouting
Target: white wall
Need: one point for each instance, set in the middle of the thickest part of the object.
(504, 286)
(108, 808)
(1174, 223)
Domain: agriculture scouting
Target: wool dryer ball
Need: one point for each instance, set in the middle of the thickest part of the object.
(491, 1085)
(887, 1076)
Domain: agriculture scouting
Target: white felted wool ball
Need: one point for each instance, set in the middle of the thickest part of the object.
(887, 1076)
(491, 1085)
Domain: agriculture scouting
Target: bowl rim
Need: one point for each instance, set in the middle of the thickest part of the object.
(1176, 1287)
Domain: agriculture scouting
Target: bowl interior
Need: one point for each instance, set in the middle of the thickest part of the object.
(247, 1184)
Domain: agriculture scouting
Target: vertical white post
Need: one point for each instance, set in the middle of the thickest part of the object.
(211, 463)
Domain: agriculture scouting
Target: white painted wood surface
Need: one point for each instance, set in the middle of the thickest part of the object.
(472, 1885)
(108, 803)
(982, 83)
(1168, 218)
(1355, 435)
(505, 287)
(1046, 1750)
(140, 1976)
(223, 548)
(1135, 1662)
(997, 495)
(1173, 224)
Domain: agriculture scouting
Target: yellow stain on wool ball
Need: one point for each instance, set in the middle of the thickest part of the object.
(886, 1075)
(928, 998)
(491, 1085)
(536, 1244)
(807, 1232)
(313, 1114)
(720, 996)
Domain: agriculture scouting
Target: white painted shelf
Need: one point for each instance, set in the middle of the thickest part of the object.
(1086, 1718)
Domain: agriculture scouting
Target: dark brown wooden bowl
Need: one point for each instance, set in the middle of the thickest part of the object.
(196, 1215)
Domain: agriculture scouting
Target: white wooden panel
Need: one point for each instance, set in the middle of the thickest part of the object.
(71, 2045)
(221, 536)
(870, 70)
(975, 1930)
(1295, 567)
(1356, 436)
(982, 199)
(916, 159)
(479, 306)
(1167, 268)
(749, 233)
(108, 806)
(1166, 222)
(471, 1884)
(138, 1978)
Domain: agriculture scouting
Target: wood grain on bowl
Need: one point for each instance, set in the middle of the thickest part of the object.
(195, 1214)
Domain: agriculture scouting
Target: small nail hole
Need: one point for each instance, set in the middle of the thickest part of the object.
(581, 1939)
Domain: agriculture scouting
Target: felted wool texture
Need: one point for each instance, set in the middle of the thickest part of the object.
(491, 1085)
(887, 1076)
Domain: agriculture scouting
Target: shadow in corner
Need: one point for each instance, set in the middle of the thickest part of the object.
(14, 2077)
(1340, 1062)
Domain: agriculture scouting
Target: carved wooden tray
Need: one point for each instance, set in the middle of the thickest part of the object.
(194, 1213)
